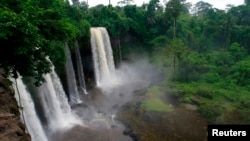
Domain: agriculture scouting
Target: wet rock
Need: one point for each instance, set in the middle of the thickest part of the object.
(140, 92)
(134, 136)
(11, 127)
(21, 125)
(19, 132)
(1, 90)
(79, 105)
(129, 132)
(6, 115)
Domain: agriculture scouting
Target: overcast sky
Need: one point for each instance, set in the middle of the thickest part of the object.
(220, 4)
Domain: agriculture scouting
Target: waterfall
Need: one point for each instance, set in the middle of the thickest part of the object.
(33, 123)
(55, 104)
(60, 94)
(102, 54)
(81, 77)
(71, 81)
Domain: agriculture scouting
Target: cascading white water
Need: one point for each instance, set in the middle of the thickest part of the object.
(71, 81)
(102, 54)
(108, 50)
(33, 123)
(81, 77)
(61, 96)
(55, 103)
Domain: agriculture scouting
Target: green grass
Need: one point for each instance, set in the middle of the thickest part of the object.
(216, 100)
(156, 105)
(230, 103)
(153, 101)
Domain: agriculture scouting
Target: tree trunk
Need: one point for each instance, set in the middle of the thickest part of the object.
(179, 61)
(174, 62)
(174, 28)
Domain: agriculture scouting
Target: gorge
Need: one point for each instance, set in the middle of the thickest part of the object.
(48, 111)
(161, 71)
(111, 110)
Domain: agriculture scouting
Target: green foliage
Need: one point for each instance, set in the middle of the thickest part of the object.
(211, 77)
(241, 72)
(194, 65)
(173, 8)
(205, 92)
(201, 8)
(210, 111)
(150, 14)
(210, 50)
(136, 21)
(154, 101)
(108, 17)
(181, 89)
(160, 41)
(154, 19)
(178, 47)
(210, 47)
(33, 32)
(237, 51)
(187, 99)
(74, 23)
(58, 56)
(21, 41)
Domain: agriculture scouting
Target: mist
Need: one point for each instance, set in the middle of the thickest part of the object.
(100, 107)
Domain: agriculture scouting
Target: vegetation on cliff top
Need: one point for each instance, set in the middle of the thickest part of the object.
(203, 54)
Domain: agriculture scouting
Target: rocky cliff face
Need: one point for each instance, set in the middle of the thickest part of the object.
(11, 127)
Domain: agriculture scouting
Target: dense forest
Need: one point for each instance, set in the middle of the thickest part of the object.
(203, 52)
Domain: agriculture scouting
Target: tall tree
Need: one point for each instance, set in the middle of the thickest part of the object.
(150, 14)
(178, 48)
(32, 32)
(201, 8)
(173, 9)
(76, 2)
(125, 2)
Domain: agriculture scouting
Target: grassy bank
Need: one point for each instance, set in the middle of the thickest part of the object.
(154, 100)
(217, 104)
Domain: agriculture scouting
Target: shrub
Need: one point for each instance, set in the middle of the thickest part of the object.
(210, 111)
(205, 92)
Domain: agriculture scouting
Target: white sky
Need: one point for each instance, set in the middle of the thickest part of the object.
(220, 4)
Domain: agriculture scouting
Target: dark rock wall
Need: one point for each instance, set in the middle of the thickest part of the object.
(11, 127)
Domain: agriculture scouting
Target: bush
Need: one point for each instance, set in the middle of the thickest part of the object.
(211, 77)
(205, 92)
(210, 111)
(187, 99)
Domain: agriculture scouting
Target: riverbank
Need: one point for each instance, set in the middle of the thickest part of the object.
(158, 116)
